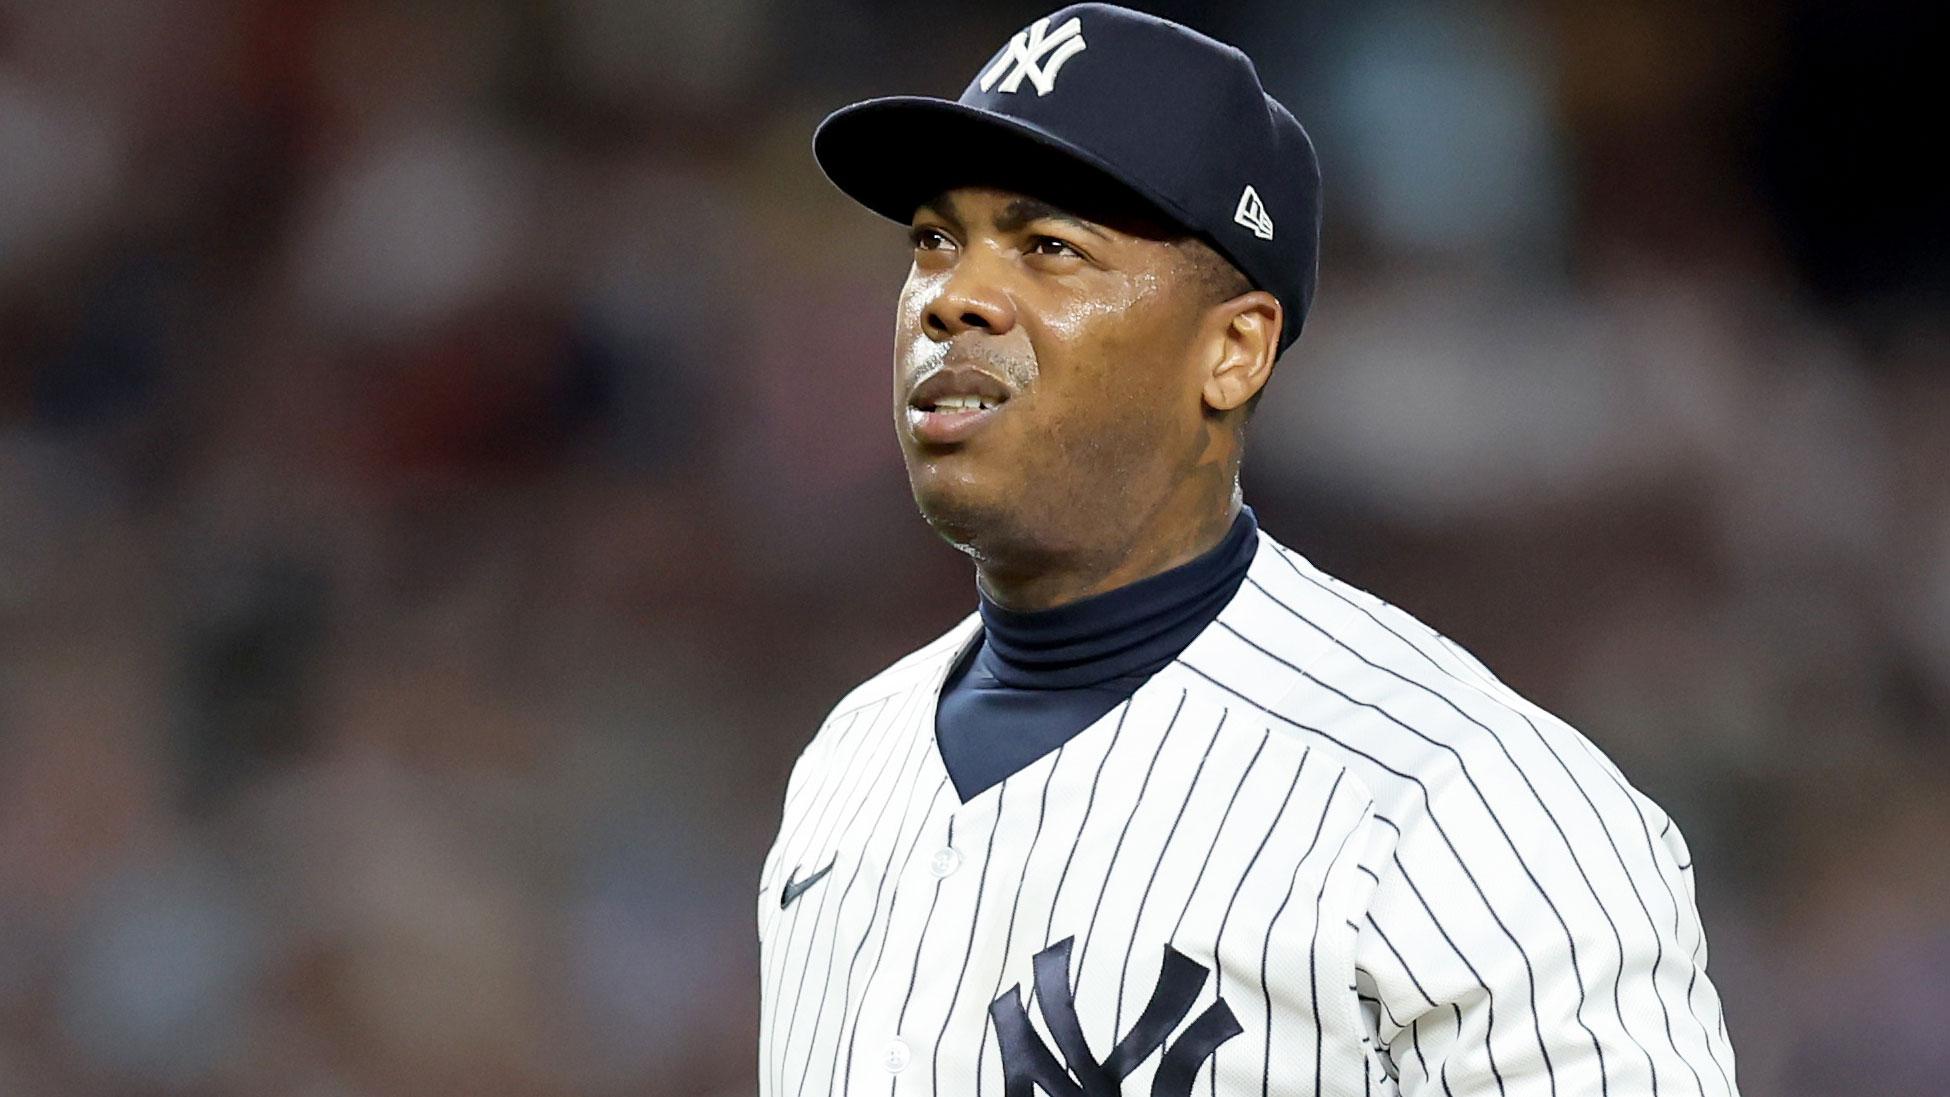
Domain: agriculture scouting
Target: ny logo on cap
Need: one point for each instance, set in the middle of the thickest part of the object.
(1027, 52)
(1252, 214)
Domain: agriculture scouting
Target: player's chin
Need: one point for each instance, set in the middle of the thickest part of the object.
(952, 473)
(959, 485)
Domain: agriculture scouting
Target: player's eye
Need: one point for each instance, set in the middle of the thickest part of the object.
(928, 239)
(1050, 245)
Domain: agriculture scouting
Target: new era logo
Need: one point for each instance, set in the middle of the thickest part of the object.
(1252, 214)
(1037, 54)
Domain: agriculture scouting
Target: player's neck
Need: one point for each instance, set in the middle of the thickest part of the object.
(1106, 568)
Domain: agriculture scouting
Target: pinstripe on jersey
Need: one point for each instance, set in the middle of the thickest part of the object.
(1322, 852)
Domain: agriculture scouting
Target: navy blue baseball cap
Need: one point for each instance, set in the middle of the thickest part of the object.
(1097, 94)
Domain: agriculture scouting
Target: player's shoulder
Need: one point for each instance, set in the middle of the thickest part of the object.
(900, 680)
(1408, 709)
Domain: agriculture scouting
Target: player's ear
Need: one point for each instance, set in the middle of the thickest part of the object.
(1242, 338)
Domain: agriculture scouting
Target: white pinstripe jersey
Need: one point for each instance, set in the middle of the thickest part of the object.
(1323, 852)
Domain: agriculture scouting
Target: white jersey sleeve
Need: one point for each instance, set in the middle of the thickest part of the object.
(1532, 935)
(1529, 928)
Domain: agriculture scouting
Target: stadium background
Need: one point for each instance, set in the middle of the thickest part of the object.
(445, 472)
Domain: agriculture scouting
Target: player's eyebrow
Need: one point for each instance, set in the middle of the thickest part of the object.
(943, 205)
(1022, 211)
(1018, 213)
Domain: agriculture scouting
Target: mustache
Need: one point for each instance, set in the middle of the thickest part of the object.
(928, 357)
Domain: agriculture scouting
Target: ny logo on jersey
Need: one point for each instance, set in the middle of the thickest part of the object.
(1028, 1063)
(1026, 55)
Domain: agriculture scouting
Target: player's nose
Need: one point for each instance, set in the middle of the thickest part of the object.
(968, 301)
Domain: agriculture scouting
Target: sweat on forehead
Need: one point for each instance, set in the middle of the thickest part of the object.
(1214, 275)
(1017, 212)
(1083, 207)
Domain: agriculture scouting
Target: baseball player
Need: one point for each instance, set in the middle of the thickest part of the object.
(1174, 812)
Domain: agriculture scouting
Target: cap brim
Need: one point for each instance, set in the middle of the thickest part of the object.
(893, 154)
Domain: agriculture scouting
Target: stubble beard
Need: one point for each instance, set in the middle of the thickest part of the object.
(1076, 507)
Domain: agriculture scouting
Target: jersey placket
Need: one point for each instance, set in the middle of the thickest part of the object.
(940, 880)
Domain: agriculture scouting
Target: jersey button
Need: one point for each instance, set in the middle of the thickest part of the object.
(944, 862)
(897, 1056)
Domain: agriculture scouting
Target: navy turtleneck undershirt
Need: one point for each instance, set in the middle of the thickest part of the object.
(1038, 678)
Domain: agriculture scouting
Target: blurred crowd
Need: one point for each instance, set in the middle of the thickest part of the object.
(446, 473)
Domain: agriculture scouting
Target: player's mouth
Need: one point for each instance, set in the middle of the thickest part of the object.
(952, 404)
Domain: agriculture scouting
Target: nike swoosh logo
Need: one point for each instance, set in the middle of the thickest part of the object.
(796, 888)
